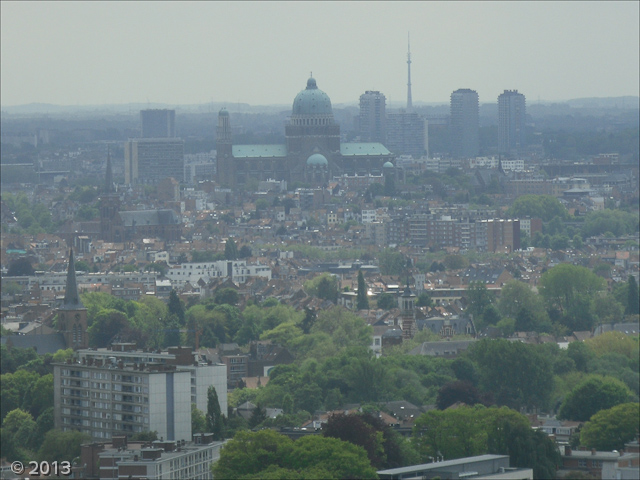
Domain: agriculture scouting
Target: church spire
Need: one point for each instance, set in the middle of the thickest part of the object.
(71, 297)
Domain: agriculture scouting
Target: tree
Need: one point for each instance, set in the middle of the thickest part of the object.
(20, 267)
(175, 306)
(458, 391)
(568, 289)
(633, 303)
(391, 262)
(20, 428)
(386, 301)
(519, 302)
(424, 300)
(518, 374)
(362, 300)
(545, 207)
(215, 420)
(198, 420)
(230, 249)
(245, 251)
(479, 299)
(611, 428)
(228, 296)
(593, 394)
(324, 286)
(258, 416)
(455, 262)
(353, 429)
(59, 446)
(268, 454)
(606, 309)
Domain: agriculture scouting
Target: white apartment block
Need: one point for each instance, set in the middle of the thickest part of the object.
(123, 391)
(159, 460)
(237, 270)
(368, 216)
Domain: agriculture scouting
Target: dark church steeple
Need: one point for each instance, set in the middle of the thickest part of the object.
(71, 297)
(72, 315)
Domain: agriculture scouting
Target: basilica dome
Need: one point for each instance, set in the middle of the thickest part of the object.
(317, 160)
(312, 101)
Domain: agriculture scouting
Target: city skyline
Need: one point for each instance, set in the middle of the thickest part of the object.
(101, 53)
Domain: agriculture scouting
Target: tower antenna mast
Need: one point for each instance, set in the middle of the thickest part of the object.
(409, 102)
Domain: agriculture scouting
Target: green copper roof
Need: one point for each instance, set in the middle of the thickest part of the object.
(312, 101)
(347, 149)
(258, 151)
(387, 165)
(317, 159)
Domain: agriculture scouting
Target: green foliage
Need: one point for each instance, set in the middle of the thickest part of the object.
(568, 289)
(611, 428)
(215, 420)
(468, 431)
(455, 262)
(12, 358)
(20, 267)
(517, 374)
(175, 306)
(517, 300)
(606, 309)
(362, 299)
(59, 446)
(593, 394)
(480, 300)
(230, 250)
(613, 342)
(615, 221)
(386, 301)
(391, 262)
(323, 286)
(545, 207)
(198, 420)
(424, 300)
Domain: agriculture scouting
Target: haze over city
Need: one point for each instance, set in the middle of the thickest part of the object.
(90, 53)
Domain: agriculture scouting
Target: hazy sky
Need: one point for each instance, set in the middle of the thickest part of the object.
(78, 53)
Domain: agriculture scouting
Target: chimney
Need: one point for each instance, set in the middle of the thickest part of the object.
(567, 450)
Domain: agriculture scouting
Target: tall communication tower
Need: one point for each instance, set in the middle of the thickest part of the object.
(409, 103)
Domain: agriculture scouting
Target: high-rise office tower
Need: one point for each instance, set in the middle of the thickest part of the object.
(158, 123)
(406, 134)
(511, 122)
(373, 117)
(464, 123)
(149, 160)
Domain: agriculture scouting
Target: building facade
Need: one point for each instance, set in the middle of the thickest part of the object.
(465, 123)
(158, 123)
(373, 117)
(149, 160)
(123, 391)
(407, 134)
(511, 122)
(312, 153)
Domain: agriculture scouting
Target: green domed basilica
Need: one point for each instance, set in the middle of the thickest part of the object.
(312, 153)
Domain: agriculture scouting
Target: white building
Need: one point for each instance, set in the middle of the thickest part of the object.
(236, 270)
(124, 391)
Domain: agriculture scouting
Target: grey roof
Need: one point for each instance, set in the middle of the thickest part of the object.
(352, 149)
(149, 217)
(42, 343)
(441, 465)
(258, 151)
